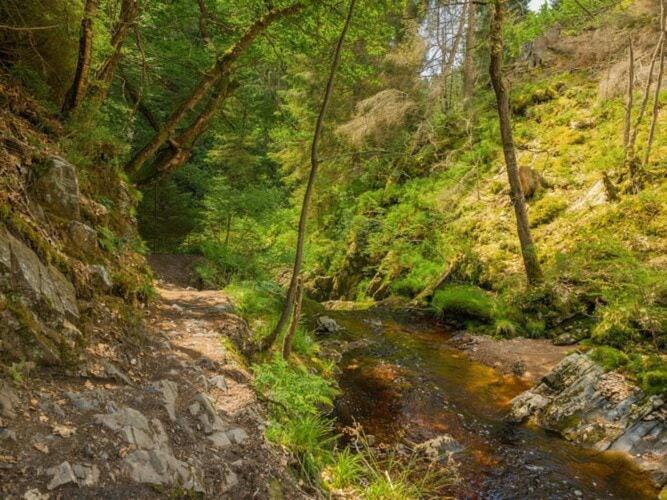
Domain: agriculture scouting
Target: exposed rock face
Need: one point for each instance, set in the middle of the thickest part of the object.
(602, 410)
(43, 286)
(83, 237)
(100, 278)
(58, 189)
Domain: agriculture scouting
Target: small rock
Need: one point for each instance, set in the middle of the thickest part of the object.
(86, 475)
(220, 439)
(169, 391)
(565, 339)
(113, 372)
(8, 400)
(62, 474)
(218, 381)
(7, 434)
(99, 277)
(238, 435)
(325, 324)
(35, 494)
(439, 448)
(41, 447)
(63, 430)
(83, 237)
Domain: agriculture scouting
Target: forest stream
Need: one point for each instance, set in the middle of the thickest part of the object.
(406, 384)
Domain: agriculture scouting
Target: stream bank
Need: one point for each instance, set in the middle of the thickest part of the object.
(404, 383)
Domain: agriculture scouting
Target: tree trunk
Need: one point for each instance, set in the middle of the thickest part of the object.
(203, 15)
(289, 337)
(181, 147)
(533, 271)
(469, 62)
(77, 91)
(210, 79)
(314, 162)
(658, 83)
(106, 73)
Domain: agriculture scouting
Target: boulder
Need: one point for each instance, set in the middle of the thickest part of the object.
(83, 237)
(57, 189)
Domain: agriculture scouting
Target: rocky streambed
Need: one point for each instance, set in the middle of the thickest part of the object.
(580, 433)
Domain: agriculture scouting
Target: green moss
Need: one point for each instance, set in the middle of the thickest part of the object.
(654, 382)
(463, 302)
(546, 209)
(609, 358)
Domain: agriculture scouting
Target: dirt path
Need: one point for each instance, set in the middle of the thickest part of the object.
(174, 411)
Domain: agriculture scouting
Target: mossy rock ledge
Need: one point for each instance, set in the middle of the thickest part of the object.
(599, 409)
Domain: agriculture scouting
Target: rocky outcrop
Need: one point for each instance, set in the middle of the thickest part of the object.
(601, 410)
(41, 285)
(57, 189)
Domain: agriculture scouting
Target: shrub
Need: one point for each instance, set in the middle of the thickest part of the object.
(617, 326)
(505, 327)
(654, 382)
(469, 302)
(609, 358)
(535, 328)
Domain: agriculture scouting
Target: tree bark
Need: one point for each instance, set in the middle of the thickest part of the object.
(629, 98)
(203, 15)
(181, 146)
(219, 70)
(289, 337)
(469, 62)
(314, 163)
(658, 84)
(106, 73)
(531, 264)
(77, 91)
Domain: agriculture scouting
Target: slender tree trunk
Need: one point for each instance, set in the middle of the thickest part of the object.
(181, 146)
(658, 84)
(106, 73)
(77, 91)
(629, 98)
(203, 15)
(314, 162)
(469, 62)
(533, 271)
(228, 229)
(221, 69)
(289, 337)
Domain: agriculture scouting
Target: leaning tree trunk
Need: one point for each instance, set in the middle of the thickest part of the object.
(469, 62)
(314, 162)
(533, 271)
(220, 70)
(181, 147)
(77, 91)
(106, 73)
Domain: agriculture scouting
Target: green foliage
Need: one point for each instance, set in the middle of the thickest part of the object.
(546, 209)
(505, 328)
(301, 392)
(345, 470)
(654, 382)
(465, 301)
(609, 358)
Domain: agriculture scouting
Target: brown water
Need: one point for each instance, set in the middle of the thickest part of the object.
(407, 385)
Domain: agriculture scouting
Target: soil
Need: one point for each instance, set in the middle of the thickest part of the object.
(529, 359)
(49, 419)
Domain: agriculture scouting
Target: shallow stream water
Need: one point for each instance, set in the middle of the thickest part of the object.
(405, 384)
